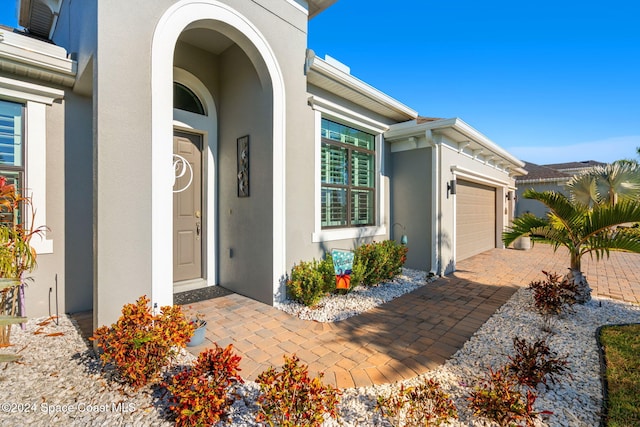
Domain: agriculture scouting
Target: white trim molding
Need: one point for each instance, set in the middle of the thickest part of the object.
(28, 56)
(173, 22)
(329, 110)
(207, 126)
(35, 98)
(343, 114)
(478, 177)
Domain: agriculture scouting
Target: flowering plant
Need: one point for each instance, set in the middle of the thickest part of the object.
(195, 317)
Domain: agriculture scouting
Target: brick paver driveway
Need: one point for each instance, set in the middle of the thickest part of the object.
(409, 335)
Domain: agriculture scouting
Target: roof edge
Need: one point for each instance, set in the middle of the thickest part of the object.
(411, 128)
(323, 68)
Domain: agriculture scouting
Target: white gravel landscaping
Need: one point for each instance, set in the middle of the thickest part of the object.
(58, 382)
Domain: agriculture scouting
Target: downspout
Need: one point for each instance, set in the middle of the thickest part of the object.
(436, 269)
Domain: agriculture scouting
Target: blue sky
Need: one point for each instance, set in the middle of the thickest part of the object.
(550, 81)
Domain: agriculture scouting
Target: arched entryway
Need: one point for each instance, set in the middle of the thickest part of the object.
(244, 248)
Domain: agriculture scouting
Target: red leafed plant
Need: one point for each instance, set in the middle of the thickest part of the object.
(290, 398)
(423, 405)
(553, 294)
(498, 398)
(140, 343)
(534, 362)
(200, 394)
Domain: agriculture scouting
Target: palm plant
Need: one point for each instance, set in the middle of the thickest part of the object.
(580, 228)
(606, 184)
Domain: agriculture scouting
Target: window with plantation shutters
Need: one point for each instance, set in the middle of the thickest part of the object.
(348, 175)
(11, 151)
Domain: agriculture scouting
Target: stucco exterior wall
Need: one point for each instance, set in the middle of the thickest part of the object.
(121, 65)
(411, 195)
(78, 209)
(533, 206)
(39, 298)
(245, 224)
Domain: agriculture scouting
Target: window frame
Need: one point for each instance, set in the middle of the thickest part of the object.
(342, 115)
(350, 186)
(17, 170)
(36, 99)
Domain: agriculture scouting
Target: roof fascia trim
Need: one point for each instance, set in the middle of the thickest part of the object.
(408, 129)
(321, 67)
(53, 67)
(543, 180)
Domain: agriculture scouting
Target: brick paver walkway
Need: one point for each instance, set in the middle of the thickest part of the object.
(409, 335)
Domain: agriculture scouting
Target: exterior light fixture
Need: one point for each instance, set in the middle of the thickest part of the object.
(403, 239)
(451, 187)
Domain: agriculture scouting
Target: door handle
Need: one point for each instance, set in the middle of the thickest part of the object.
(198, 230)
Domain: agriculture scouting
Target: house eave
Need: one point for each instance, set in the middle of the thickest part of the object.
(325, 76)
(460, 133)
(22, 55)
(558, 181)
(317, 6)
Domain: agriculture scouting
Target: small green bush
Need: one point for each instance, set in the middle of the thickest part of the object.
(307, 283)
(328, 274)
(373, 263)
(381, 261)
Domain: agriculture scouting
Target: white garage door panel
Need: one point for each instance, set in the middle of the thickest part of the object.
(475, 219)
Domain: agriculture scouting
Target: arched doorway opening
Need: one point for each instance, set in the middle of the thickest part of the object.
(223, 50)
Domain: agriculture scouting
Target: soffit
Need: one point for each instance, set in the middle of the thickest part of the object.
(462, 138)
(317, 6)
(206, 39)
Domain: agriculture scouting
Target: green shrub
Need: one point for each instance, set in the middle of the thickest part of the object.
(328, 274)
(422, 405)
(289, 398)
(381, 261)
(633, 231)
(373, 263)
(307, 283)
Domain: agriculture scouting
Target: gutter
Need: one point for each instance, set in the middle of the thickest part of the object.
(26, 56)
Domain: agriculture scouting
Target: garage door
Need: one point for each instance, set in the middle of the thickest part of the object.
(475, 219)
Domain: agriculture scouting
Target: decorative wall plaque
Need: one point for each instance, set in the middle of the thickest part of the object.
(243, 166)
